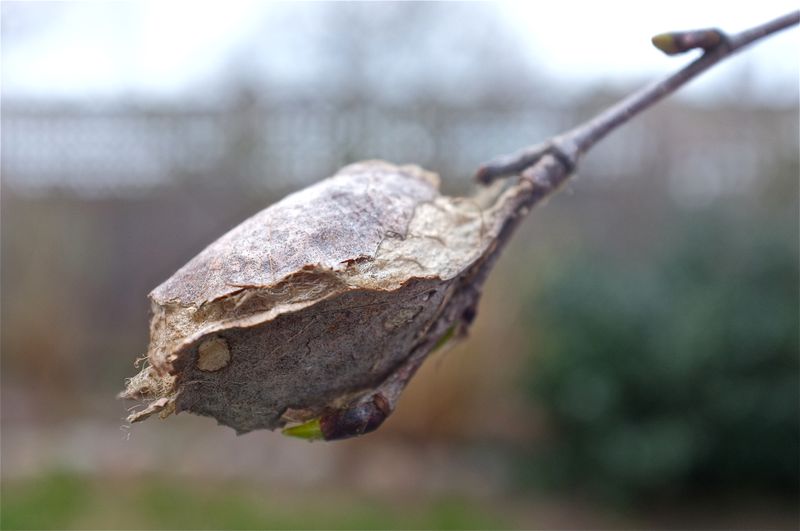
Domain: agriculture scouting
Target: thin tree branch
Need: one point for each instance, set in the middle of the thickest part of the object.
(568, 147)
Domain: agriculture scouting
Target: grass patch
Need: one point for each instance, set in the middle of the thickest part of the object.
(68, 501)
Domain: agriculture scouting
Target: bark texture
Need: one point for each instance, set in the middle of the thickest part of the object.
(322, 305)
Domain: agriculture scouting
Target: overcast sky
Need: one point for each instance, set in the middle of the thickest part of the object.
(162, 48)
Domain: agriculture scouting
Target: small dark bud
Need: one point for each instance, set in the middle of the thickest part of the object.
(355, 421)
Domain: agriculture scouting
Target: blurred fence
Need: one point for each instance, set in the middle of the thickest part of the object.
(101, 150)
(114, 151)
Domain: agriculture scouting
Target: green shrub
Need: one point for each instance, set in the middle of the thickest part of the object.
(673, 374)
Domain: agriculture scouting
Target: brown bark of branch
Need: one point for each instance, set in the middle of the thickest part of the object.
(570, 146)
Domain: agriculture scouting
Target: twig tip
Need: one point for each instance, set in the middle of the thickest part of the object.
(666, 43)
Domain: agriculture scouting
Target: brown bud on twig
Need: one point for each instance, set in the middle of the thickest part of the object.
(677, 42)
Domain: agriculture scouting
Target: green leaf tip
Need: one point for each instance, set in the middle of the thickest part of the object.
(447, 336)
(666, 43)
(310, 430)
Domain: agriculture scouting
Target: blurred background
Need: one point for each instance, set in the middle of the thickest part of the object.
(635, 358)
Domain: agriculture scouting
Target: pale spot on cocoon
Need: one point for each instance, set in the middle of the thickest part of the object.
(213, 354)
